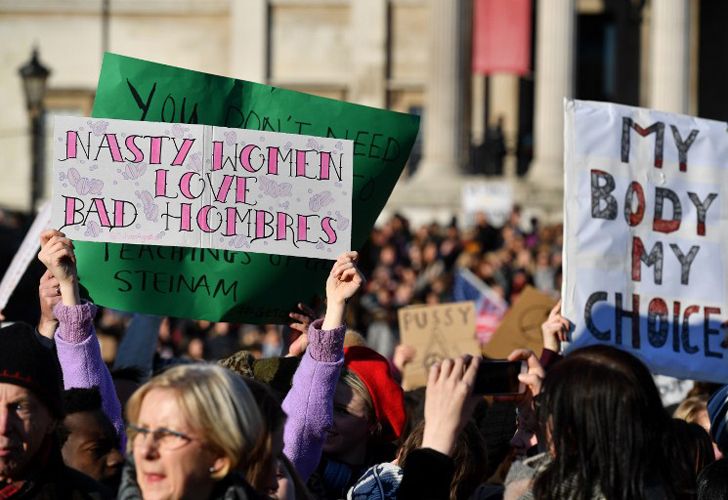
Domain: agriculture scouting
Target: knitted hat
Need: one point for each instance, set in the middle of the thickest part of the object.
(24, 361)
(717, 408)
(373, 369)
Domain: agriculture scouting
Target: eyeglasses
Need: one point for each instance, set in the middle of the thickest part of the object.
(166, 439)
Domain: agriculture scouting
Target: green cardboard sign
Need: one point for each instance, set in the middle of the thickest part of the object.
(219, 285)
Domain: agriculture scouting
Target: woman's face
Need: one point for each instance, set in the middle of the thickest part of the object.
(171, 467)
(346, 440)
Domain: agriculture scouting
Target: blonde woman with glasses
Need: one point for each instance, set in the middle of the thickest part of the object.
(192, 429)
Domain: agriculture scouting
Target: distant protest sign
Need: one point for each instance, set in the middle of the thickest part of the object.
(436, 332)
(202, 187)
(521, 325)
(645, 231)
(493, 198)
(235, 285)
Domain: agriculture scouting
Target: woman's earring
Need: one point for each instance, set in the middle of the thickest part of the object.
(212, 469)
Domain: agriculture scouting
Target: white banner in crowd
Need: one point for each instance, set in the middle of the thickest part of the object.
(25, 254)
(200, 186)
(493, 198)
(645, 224)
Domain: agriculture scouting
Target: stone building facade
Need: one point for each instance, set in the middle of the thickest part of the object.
(406, 55)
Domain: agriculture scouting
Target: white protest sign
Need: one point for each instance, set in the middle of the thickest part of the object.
(493, 198)
(645, 236)
(25, 254)
(200, 186)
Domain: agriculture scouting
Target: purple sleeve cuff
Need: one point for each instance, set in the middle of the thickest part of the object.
(325, 345)
(75, 321)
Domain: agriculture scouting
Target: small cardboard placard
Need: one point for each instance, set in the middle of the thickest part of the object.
(436, 332)
(521, 326)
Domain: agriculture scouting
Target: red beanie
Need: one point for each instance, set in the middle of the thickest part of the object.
(373, 369)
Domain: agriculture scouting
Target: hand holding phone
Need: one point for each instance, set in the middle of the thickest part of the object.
(533, 378)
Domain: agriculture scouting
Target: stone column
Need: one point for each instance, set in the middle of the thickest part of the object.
(368, 84)
(669, 55)
(503, 102)
(554, 81)
(445, 126)
(249, 40)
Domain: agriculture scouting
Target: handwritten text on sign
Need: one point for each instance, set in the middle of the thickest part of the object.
(201, 186)
(645, 224)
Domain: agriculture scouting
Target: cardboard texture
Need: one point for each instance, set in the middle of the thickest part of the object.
(436, 332)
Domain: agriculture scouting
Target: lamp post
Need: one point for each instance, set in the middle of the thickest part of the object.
(34, 76)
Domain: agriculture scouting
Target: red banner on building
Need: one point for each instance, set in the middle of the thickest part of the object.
(502, 36)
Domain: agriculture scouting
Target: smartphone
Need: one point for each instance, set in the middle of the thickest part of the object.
(499, 377)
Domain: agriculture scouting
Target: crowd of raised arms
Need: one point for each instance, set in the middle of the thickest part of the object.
(165, 408)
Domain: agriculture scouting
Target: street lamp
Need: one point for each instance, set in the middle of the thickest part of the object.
(34, 76)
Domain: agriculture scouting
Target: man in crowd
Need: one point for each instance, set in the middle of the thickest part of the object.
(88, 438)
(31, 406)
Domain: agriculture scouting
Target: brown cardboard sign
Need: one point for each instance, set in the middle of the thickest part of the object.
(436, 332)
(521, 326)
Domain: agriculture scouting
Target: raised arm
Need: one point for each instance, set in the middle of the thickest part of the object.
(554, 331)
(428, 471)
(78, 348)
(310, 402)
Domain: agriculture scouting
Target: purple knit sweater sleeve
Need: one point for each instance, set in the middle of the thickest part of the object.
(79, 354)
(310, 402)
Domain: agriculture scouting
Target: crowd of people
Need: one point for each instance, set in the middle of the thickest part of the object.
(100, 404)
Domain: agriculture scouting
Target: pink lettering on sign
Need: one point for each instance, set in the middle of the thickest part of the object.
(302, 228)
(71, 211)
(231, 228)
(119, 213)
(300, 163)
(241, 190)
(260, 224)
(160, 184)
(227, 181)
(113, 145)
(329, 230)
(325, 165)
(203, 219)
(183, 151)
(273, 160)
(216, 155)
(245, 155)
(185, 185)
(138, 155)
(155, 150)
(186, 215)
(102, 213)
(71, 138)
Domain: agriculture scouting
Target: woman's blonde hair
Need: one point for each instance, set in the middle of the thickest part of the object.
(690, 409)
(216, 403)
(351, 379)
